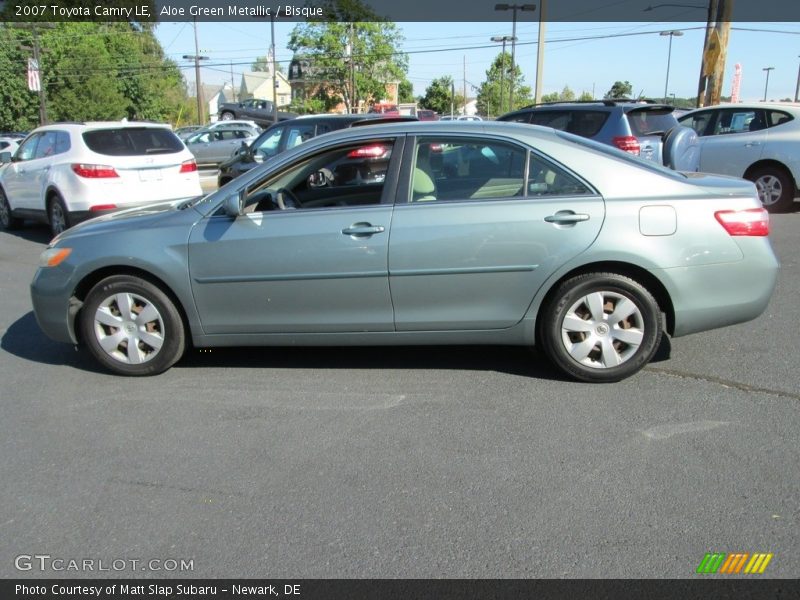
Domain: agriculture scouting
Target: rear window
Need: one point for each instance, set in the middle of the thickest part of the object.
(648, 122)
(585, 123)
(132, 141)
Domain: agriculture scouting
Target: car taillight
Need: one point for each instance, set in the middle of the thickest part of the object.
(628, 143)
(188, 166)
(376, 151)
(750, 222)
(94, 171)
(99, 207)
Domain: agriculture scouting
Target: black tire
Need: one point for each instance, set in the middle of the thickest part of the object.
(165, 325)
(226, 115)
(775, 188)
(7, 220)
(57, 215)
(599, 355)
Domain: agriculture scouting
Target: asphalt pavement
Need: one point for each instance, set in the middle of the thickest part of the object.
(406, 462)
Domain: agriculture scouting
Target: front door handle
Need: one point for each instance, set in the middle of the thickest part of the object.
(751, 144)
(566, 217)
(363, 229)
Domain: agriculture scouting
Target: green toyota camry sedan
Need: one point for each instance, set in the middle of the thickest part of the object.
(419, 233)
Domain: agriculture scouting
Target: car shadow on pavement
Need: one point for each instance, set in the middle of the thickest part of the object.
(25, 340)
(33, 233)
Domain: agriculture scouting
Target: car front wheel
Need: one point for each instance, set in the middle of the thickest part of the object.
(775, 188)
(131, 326)
(600, 327)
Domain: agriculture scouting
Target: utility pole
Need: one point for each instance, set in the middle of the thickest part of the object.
(465, 84)
(37, 57)
(715, 50)
(199, 92)
(540, 52)
(797, 88)
(274, 70)
(233, 85)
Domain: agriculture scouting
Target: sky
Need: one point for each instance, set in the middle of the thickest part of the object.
(584, 56)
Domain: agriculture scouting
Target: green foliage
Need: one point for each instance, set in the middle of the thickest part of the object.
(262, 63)
(585, 97)
(372, 61)
(498, 86)
(90, 71)
(620, 90)
(438, 96)
(405, 91)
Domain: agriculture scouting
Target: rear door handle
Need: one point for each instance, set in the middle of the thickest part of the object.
(363, 229)
(566, 217)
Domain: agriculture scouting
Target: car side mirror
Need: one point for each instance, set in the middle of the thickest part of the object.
(234, 204)
(5, 157)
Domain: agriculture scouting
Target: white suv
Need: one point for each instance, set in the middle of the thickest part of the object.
(760, 142)
(65, 173)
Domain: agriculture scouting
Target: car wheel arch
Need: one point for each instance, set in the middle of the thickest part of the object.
(769, 163)
(639, 274)
(93, 278)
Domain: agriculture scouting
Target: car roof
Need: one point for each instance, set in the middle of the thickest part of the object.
(752, 106)
(90, 125)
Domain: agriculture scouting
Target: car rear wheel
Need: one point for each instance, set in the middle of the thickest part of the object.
(132, 327)
(775, 188)
(7, 219)
(600, 327)
(57, 216)
(226, 116)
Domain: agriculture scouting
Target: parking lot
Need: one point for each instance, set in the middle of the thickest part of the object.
(401, 462)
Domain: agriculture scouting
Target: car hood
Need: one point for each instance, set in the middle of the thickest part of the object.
(165, 214)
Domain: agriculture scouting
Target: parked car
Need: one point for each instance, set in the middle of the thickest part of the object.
(283, 136)
(427, 115)
(67, 172)
(187, 130)
(260, 111)
(460, 118)
(760, 142)
(503, 234)
(648, 130)
(214, 146)
(9, 144)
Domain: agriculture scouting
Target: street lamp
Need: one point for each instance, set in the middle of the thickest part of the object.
(514, 8)
(504, 39)
(766, 85)
(671, 35)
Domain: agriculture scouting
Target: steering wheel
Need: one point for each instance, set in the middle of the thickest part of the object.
(286, 199)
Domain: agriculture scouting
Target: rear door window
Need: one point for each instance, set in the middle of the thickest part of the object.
(132, 141)
(585, 123)
(777, 117)
(649, 121)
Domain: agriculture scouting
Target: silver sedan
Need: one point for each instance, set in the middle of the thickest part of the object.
(213, 146)
(420, 233)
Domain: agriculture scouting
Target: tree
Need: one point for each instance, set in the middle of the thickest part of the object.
(585, 97)
(353, 45)
(89, 71)
(439, 96)
(566, 95)
(620, 90)
(264, 63)
(499, 77)
(405, 91)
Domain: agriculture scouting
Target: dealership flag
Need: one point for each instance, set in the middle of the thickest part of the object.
(34, 84)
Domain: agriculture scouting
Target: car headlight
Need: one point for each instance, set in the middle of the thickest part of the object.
(52, 257)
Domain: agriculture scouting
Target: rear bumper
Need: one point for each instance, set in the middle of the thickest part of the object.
(710, 296)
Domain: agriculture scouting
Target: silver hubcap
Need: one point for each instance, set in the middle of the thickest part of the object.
(57, 220)
(602, 330)
(227, 116)
(769, 189)
(129, 328)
